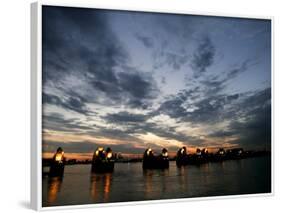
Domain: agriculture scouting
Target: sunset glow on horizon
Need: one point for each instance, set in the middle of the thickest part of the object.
(133, 80)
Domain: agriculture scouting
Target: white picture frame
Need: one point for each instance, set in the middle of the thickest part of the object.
(36, 105)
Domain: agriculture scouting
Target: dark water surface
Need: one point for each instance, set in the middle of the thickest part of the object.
(129, 182)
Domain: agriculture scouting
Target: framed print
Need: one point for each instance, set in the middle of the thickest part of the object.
(133, 106)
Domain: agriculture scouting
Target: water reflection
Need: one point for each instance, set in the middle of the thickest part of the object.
(205, 170)
(54, 186)
(204, 167)
(182, 177)
(164, 176)
(155, 182)
(148, 174)
(221, 164)
(131, 183)
(240, 164)
(100, 185)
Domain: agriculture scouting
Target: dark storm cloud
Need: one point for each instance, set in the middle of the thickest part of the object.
(249, 116)
(57, 122)
(222, 134)
(232, 97)
(75, 104)
(163, 80)
(133, 88)
(240, 68)
(146, 41)
(255, 128)
(125, 117)
(173, 59)
(86, 60)
(139, 86)
(173, 107)
(211, 109)
(216, 83)
(208, 110)
(78, 41)
(80, 44)
(174, 104)
(176, 61)
(125, 135)
(257, 99)
(136, 125)
(203, 56)
(61, 35)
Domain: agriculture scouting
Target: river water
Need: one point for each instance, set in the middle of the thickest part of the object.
(129, 182)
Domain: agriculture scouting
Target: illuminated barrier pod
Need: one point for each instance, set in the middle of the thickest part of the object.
(57, 164)
(201, 156)
(234, 154)
(103, 160)
(152, 161)
(220, 155)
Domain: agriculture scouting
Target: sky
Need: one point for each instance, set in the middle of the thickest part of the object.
(133, 80)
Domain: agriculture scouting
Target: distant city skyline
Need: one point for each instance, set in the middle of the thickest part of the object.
(132, 80)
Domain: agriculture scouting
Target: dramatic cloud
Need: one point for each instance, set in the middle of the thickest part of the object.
(140, 87)
(176, 61)
(71, 103)
(194, 81)
(69, 51)
(147, 41)
(203, 56)
(57, 122)
(241, 68)
(251, 121)
(125, 117)
(216, 108)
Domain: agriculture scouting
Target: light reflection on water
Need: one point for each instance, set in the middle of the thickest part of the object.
(100, 187)
(54, 185)
(129, 182)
